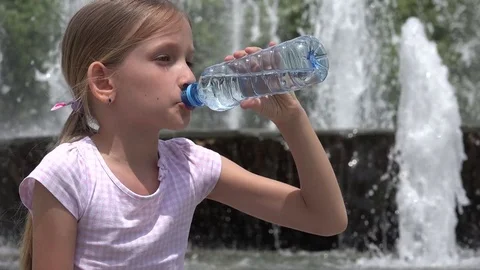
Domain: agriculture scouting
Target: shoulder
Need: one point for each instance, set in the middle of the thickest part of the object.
(183, 147)
(201, 162)
(65, 159)
(65, 154)
(64, 172)
(179, 143)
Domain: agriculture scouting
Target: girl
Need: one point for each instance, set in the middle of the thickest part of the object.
(117, 197)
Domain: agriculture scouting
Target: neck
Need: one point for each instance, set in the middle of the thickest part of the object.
(135, 148)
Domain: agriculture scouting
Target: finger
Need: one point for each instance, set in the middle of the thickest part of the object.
(272, 43)
(250, 103)
(229, 58)
(239, 54)
(252, 49)
(255, 67)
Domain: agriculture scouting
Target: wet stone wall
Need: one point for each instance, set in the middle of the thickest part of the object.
(361, 162)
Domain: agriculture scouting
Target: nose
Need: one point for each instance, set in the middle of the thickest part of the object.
(187, 77)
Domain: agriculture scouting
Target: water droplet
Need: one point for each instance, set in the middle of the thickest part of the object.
(6, 89)
(353, 163)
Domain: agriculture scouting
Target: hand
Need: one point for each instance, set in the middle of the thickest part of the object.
(279, 108)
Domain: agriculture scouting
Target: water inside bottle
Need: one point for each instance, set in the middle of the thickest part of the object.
(224, 92)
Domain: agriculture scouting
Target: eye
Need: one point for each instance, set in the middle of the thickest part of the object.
(190, 64)
(163, 58)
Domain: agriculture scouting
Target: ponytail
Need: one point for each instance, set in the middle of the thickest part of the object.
(74, 129)
(76, 126)
(26, 245)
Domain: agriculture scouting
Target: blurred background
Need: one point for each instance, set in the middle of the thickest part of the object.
(398, 115)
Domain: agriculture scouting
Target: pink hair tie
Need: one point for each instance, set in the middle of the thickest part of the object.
(75, 104)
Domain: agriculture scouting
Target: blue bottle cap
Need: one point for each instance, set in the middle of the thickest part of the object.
(318, 60)
(190, 96)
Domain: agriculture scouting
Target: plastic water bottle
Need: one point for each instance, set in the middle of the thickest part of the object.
(289, 66)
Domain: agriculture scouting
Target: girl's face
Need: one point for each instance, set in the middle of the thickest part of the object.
(149, 81)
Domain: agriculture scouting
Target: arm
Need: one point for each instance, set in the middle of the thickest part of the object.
(54, 232)
(316, 208)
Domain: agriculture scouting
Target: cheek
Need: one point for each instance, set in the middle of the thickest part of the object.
(134, 75)
(140, 88)
(159, 102)
(147, 84)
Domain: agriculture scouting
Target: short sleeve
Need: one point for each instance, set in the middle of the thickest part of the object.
(63, 173)
(206, 165)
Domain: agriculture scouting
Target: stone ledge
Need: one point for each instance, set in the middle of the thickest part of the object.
(372, 218)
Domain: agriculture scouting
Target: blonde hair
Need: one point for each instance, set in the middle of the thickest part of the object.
(104, 31)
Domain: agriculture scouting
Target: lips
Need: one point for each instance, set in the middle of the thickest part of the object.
(181, 104)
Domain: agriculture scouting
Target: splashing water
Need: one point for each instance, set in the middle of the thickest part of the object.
(3, 88)
(345, 99)
(429, 141)
(8, 255)
(430, 156)
(271, 7)
(239, 9)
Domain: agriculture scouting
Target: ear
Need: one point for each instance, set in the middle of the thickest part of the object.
(100, 83)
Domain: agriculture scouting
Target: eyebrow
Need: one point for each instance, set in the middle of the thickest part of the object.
(171, 45)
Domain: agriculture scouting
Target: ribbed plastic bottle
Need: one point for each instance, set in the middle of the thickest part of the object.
(289, 66)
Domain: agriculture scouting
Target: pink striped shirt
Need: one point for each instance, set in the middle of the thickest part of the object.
(117, 228)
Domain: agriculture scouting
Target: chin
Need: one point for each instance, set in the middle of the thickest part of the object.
(181, 124)
(178, 119)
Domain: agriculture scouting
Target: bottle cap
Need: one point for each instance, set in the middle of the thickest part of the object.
(190, 96)
(319, 61)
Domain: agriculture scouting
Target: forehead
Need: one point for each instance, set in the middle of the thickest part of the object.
(180, 35)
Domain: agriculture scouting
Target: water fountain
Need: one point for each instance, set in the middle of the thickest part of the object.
(428, 126)
(429, 151)
(356, 96)
(345, 101)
